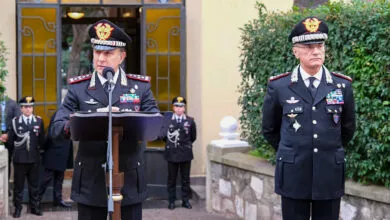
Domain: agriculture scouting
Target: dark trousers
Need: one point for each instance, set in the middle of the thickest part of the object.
(299, 209)
(31, 171)
(10, 152)
(173, 169)
(129, 212)
(58, 178)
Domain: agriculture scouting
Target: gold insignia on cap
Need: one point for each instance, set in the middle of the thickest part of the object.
(103, 31)
(28, 99)
(180, 99)
(312, 24)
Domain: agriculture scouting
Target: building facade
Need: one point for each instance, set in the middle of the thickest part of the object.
(189, 48)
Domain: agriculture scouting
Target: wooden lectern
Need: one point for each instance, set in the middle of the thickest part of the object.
(139, 126)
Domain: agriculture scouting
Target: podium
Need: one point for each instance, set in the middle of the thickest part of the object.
(139, 126)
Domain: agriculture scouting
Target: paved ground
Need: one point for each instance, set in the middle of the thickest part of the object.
(153, 210)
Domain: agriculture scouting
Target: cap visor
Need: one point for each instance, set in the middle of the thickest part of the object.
(26, 104)
(103, 47)
(312, 42)
(178, 104)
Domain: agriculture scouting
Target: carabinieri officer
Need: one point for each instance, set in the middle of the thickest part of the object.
(308, 117)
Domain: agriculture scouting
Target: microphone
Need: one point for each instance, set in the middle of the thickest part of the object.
(108, 73)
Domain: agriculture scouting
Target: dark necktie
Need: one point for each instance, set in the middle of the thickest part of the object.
(312, 88)
(179, 120)
(28, 123)
(105, 87)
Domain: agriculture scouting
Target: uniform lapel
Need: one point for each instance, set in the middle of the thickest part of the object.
(118, 90)
(300, 89)
(323, 89)
(98, 93)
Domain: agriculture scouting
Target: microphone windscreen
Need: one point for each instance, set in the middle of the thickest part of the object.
(108, 73)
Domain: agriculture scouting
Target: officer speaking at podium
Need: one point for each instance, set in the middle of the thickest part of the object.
(87, 93)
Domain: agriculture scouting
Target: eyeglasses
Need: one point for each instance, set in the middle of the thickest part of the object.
(311, 46)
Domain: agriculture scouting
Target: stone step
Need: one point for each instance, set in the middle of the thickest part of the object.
(198, 192)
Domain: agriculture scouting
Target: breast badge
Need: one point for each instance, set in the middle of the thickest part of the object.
(296, 125)
(292, 100)
(91, 102)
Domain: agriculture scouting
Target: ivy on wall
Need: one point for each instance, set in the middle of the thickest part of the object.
(358, 46)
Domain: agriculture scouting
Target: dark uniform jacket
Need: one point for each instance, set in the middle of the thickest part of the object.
(58, 153)
(308, 134)
(12, 110)
(26, 139)
(131, 93)
(178, 138)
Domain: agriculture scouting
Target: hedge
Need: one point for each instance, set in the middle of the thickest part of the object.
(358, 46)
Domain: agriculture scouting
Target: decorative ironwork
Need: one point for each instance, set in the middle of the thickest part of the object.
(152, 44)
(151, 27)
(49, 26)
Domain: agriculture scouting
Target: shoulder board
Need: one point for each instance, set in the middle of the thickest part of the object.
(272, 78)
(76, 79)
(342, 76)
(138, 77)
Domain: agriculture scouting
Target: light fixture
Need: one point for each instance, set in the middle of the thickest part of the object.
(75, 13)
(127, 14)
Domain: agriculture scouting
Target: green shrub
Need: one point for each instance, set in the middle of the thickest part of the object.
(3, 63)
(358, 46)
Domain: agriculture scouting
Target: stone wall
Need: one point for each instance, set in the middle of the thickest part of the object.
(241, 186)
(3, 182)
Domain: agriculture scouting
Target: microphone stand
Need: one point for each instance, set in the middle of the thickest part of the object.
(110, 202)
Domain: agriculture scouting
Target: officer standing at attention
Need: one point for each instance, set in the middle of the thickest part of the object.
(27, 134)
(179, 132)
(87, 93)
(308, 117)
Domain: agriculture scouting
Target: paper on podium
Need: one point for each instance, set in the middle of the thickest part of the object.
(139, 126)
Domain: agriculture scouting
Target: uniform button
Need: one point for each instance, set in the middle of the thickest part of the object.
(315, 150)
(313, 108)
(280, 158)
(79, 163)
(139, 163)
(314, 122)
(315, 136)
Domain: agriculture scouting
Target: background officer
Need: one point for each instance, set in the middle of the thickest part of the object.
(58, 156)
(308, 116)
(179, 132)
(27, 134)
(10, 111)
(131, 93)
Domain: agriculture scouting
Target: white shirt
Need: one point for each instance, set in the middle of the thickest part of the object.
(104, 80)
(25, 118)
(305, 77)
(178, 118)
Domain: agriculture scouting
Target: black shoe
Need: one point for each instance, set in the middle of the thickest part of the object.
(62, 203)
(171, 205)
(17, 213)
(36, 211)
(186, 204)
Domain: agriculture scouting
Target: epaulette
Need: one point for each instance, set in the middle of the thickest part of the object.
(272, 78)
(138, 77)
(76, 79)
(342, 76)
